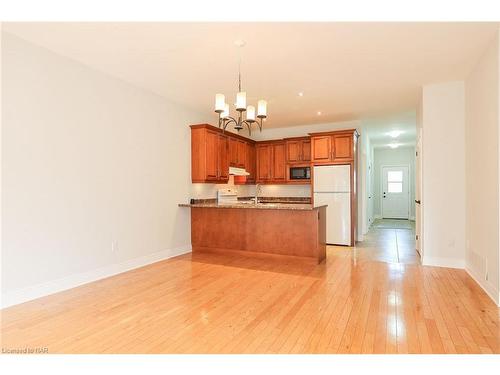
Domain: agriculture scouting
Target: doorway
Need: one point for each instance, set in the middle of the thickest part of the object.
(395, 192)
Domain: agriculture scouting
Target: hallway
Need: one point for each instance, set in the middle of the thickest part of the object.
(391, 241)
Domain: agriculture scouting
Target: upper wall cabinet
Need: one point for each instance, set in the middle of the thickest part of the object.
(213, 151)
(271, 162)
(333, 147)
(298, 150)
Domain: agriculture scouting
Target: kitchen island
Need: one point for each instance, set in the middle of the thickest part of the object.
(274, 229)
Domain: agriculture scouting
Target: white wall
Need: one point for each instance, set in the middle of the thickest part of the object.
(388, 157)
(443, 122)
(482, 174)
(87, 160)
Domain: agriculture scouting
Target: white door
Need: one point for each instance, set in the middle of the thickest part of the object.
(395, 192)
(418, 195)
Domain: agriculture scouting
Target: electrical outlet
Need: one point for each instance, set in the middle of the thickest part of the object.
(114, 246)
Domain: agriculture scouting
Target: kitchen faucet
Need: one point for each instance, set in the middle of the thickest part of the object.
(257, 190)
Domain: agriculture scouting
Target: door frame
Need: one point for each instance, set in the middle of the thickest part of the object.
(382, 186)
(420, 190)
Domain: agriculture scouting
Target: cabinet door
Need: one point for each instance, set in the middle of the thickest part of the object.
(306, 150)
(293, 149)
(321, 148)
(223, 160)
(279, 162)
(343, 147)
(211, 156)
(264, 156)
(242, 154)
(233, 152)
(250, 162)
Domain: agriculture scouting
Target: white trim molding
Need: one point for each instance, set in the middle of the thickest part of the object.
(40, 290)
(489, 289)
(443, 262)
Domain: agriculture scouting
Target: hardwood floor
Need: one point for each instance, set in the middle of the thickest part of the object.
(390, 240)
(210, 303)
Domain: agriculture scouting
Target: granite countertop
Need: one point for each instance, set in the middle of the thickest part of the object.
(261, 206)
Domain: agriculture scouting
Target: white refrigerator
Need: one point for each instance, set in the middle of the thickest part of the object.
(332, 186)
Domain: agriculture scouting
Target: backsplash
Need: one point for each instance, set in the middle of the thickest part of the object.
(208, 191)
(283, 190)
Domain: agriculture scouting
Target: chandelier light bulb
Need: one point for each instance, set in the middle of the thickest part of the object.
(220, 100)
(241, 100)
(261, 108)
(251, 113)
(225, 112)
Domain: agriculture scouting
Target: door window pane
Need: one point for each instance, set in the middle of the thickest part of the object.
(395, 176)
(395, 187)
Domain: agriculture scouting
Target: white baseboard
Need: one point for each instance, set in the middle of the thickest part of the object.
(40, 290)
(443, 262)
(490, 290)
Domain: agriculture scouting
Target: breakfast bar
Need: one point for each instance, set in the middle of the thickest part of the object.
(280, 229)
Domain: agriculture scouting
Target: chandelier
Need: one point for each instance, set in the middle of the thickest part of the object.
(222, 108)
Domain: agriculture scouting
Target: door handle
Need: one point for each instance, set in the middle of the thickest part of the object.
(417, 201)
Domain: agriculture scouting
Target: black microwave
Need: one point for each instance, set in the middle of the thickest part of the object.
(300, 173)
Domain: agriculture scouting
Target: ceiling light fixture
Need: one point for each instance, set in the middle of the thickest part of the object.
(319, 113)
(301, 93)
(395, 133)
(222, 108)
(393, 145)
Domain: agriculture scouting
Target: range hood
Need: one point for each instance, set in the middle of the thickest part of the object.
(238, 172)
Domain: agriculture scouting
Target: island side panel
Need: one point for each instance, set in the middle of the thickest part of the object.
(321, 234)
(282, 232)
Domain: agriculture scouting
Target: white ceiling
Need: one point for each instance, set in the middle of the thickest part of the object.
(379, 129)
(345, 70)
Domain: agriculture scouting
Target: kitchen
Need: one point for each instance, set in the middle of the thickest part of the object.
(288, 226)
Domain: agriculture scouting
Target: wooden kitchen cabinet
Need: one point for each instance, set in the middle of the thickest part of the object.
(209, 155)
(223, 158)
(321, 148)
(212, 151)
(233, 152)
(250, 166)
(278, 170)
(343, 148)
(298, 150)
(333, 147)
(264, 154)
(242, 154)
(271, 162)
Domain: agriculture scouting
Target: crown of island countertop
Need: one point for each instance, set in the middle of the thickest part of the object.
(260, 206)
